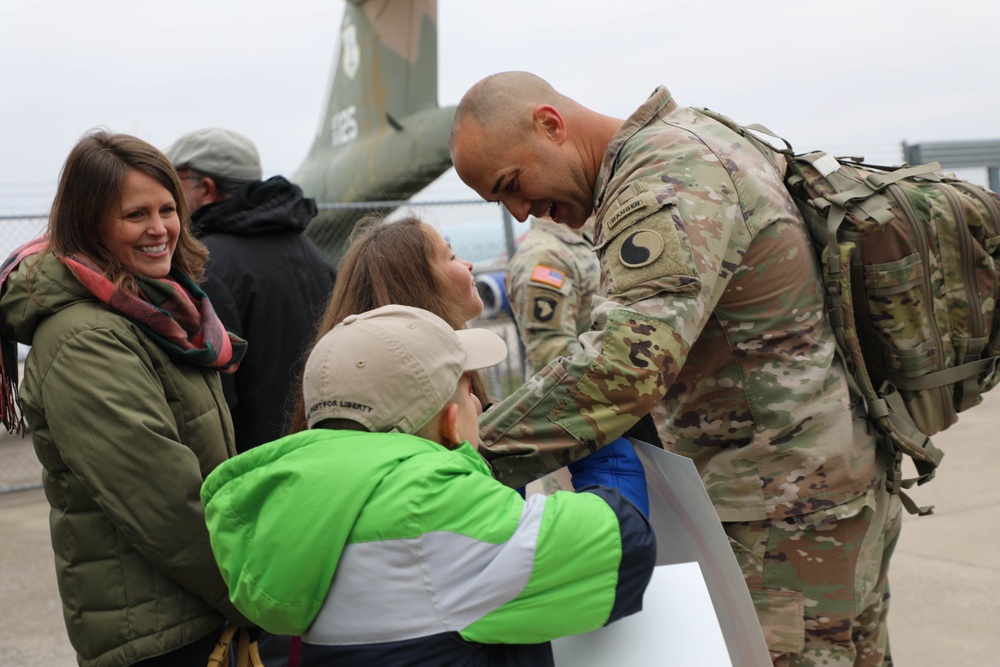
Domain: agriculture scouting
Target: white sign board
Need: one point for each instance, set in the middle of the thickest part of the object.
(677, 626)
(697, 610)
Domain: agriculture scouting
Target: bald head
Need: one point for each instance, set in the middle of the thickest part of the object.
(517, 141)
(505, 102)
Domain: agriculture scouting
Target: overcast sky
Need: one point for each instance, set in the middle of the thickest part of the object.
(875, 74)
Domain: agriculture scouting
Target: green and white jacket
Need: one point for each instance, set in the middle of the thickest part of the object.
(379, 548)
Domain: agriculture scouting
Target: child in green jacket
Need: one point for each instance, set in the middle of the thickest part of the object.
(380, 534)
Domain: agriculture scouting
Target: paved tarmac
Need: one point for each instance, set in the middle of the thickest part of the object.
(945, 573)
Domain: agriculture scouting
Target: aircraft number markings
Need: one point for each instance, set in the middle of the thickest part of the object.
(344, 126)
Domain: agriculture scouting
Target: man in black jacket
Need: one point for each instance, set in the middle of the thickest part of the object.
(267, 280)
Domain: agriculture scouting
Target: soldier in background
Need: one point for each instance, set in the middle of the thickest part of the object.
(550, 281)
(713, 320)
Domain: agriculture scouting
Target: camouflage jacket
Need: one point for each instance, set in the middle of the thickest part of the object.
(712, 320)
(551, 280)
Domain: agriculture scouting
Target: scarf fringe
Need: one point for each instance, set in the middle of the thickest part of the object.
(10, 407)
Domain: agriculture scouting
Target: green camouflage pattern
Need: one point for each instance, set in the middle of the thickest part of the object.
(918, 284)
(820, 582)
(550, 318)
(711, 319)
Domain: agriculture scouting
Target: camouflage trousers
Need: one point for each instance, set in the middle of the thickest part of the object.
(820, 583)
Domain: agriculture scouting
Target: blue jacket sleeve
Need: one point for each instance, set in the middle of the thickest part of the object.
(615, 465)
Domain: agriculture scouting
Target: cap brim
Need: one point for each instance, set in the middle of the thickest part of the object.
(483, 348)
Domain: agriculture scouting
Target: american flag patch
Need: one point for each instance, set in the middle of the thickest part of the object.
(548, 276)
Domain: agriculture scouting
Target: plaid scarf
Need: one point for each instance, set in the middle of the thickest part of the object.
(172, 311)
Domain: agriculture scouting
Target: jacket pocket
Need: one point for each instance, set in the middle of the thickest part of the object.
(781, 613)
(782, 617)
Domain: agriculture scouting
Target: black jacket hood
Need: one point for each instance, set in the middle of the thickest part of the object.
(274, 205)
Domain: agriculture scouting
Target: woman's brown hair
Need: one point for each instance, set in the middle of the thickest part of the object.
(387, 263)
(91, 181)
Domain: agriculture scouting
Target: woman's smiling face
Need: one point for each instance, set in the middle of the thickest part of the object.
(142, 227)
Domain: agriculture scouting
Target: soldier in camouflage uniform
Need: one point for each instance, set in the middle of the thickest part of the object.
(711, 319)
(551, 280)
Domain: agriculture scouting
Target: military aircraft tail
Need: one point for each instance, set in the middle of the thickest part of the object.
(382, 136)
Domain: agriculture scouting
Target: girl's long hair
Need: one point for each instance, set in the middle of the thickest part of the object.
(387, 263)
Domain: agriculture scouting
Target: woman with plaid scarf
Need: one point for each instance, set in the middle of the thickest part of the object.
(121, 391)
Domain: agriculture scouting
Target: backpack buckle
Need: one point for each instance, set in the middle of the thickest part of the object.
(894, 477)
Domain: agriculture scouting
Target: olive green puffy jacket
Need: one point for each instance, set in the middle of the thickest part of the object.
(126, 436)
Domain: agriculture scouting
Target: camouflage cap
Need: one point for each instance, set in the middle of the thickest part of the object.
(218, 152)
(392, 368)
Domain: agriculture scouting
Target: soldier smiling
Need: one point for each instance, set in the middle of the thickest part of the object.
(711, 319)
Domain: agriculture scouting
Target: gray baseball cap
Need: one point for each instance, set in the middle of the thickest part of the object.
(218, 152)
(392, 368)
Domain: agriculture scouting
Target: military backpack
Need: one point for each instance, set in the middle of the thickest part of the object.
(910, 259)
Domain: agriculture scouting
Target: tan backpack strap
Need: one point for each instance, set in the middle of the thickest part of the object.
(895, 484)
(916, 439)
(247, 651)
(744, 131)
(881, 181)
(946, 376)
(220, 654)
(913, 508)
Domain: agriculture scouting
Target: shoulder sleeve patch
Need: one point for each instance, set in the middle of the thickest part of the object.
(546, 275)
(641, 248)
(637, 201)
(544, 310)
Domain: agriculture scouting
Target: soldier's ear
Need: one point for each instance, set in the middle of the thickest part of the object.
(550, 122)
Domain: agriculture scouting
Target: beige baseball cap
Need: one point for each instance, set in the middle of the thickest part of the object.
(218, 152)
(392, 368)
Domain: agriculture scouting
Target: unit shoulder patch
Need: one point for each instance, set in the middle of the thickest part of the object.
(544, 309)
(652, 253)
(641, 248)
